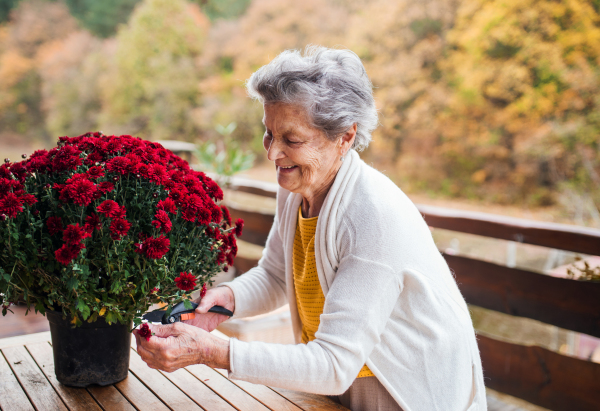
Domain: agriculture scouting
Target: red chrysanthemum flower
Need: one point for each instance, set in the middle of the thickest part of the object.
(203, 291)
(239, 226)
(11, 205)
(140, 169)
(38, 161)
(214, 190)
(226, 214)
(54, 225)
(93, 158)
(66, 158)
(118, 165)
(156, 247)
(68, 252)
(167, 205)
(203, 216)
(74, 234)
(157, 173)
(108, 208)
(106, 186)
(189, 215)
(144, 331)
(194, 202)
(215, 213)
(28, 199)
(186, 281)
(95, 172)
(162, 221)
(81, 191)
(92, 222)
(119, 228)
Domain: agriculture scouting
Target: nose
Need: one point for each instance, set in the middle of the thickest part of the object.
(274, 148)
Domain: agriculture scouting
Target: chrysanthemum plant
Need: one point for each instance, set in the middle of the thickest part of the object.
(106, 226)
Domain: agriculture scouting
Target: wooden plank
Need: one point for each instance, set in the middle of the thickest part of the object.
(561, 236)
(110, 399)
(198, 391)
(24, 339)
(164, 389)
(139, 395)
(12, 396)
(38, 389)
(257, 224)
(310, 402)
(243, 264)
(74, 398)
(540, 376)
(570, 304)
(265, 395)
(194, 388)
(227, 390)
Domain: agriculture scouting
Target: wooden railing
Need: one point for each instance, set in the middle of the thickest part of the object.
(535, 374)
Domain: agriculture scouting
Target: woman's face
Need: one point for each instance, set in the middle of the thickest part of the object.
(305, 159)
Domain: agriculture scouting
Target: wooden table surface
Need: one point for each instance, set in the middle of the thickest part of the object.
(27, 382)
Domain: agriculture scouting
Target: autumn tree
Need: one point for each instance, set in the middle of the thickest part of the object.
(33, 27)
(153, 86)
(519, 74)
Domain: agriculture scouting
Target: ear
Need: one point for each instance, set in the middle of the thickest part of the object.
(347, 139)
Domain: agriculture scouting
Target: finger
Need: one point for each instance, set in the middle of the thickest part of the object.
(137, 338)
(146, 355)
(163, 331)
(210, 300)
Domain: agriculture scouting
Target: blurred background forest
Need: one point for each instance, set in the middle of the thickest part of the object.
(494, 101)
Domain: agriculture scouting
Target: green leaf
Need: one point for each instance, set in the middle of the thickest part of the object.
(187, 304)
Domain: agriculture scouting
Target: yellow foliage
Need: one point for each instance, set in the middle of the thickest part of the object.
(13, 67)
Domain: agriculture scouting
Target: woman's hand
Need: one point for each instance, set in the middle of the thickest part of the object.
(179, 345)
(222, 296)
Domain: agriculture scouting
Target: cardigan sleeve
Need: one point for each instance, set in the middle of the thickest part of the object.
(357, 308)
(262, 289)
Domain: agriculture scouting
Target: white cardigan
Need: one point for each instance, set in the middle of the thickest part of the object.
(390, 302)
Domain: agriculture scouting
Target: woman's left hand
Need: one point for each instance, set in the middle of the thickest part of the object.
(178, 345)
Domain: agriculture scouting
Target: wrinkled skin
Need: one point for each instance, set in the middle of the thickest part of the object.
(291, 141)
(179, 345)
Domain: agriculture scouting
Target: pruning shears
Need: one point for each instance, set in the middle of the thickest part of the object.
(180, 313)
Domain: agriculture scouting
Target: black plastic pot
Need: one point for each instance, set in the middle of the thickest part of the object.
(94, 353)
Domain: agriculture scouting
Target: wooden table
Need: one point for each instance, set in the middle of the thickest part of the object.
(27, 382)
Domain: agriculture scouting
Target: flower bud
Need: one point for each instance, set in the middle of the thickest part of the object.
(115, 178)
(23, 155)
(7, 160)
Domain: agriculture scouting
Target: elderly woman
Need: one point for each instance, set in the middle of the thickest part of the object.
(379, 321)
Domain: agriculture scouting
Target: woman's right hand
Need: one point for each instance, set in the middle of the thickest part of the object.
(222, 296)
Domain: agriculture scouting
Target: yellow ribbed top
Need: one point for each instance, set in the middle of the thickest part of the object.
(309, 295)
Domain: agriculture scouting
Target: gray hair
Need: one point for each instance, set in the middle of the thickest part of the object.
(330, 84)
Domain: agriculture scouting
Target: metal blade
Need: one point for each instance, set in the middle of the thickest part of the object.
(154, 316)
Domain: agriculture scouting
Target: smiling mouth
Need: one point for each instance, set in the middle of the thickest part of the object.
(286, 169)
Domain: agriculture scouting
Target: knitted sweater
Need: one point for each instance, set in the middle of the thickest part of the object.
(391, 302)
